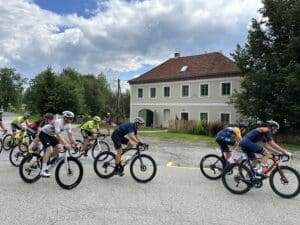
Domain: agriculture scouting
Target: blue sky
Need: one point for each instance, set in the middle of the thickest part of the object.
(120, 38)
(81, 7)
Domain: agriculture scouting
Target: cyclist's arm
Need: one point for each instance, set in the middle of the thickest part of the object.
(271, 145)
(134, 138)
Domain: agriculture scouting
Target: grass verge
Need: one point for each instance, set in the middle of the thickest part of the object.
(182, 137)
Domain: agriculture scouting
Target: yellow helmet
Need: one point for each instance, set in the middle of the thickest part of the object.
(97, 118)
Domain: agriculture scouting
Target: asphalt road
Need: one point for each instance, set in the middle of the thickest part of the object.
(177, 195)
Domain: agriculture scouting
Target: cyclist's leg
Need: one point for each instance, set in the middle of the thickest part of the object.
(14, 130)
(224, 148)
(86, 140)
(48, 142)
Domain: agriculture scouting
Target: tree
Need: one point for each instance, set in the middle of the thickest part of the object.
(270, 62)
(11, 86)
(42, 95)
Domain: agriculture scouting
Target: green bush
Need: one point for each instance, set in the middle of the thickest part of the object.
(200, 128)
(215, 127)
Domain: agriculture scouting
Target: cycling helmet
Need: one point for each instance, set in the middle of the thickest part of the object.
(139, 120)
(49, 116)
(241, 125)
(26, 115)
(97, 118)
(272, 123)
(68, 114)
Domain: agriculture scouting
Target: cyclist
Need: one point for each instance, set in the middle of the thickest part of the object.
(264, 134)
(118, 138)
(107, 120)
(52, 138)
(16, 124)
(1, 124)
(34, 129)
(89, 130)
(230, 136)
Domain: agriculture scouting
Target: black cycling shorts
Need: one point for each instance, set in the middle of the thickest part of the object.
(48, 140)
(119, 140)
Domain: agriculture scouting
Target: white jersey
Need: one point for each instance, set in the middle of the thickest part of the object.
(56, 127)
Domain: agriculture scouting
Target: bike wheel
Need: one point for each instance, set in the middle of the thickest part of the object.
(101, 146)
(1, 146)
(104, 164)
(7, 142)
(212, 166)
(69, 176)
(237, 178)
(285, 181)
(30, 168)
(143, 168)
(17, 153)
(77, 152)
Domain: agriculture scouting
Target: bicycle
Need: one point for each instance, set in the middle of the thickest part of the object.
(212, 165)
(98, 145)
(66, 166)
(243, 177)
(8, 142)
(139, 164)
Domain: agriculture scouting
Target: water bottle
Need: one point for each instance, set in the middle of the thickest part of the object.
(122, 161)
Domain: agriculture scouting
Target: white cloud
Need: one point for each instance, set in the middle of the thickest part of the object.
(122, 37)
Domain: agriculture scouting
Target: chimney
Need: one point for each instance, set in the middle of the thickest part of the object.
(176, 55)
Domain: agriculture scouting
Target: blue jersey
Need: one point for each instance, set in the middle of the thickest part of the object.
(263, 134)
(126, 128)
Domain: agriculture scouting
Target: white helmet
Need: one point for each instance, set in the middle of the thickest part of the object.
(139, 120)
(272, 123)
(68, 114)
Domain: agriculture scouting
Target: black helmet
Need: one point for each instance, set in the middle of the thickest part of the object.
(242, 125)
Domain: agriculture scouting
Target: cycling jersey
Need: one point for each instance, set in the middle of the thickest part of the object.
(248, 143)
(57, 127)
(260, 134)
(119, 133)
(18, 120)
(126, 128)
(230, 134)
(89, 125)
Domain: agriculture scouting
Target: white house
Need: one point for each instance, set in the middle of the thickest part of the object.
(191, 88)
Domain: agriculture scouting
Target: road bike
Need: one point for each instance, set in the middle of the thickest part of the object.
(8, 142)
(96, 146)
(142, 166)
(68, 170)
(239, 178)
(212, 165)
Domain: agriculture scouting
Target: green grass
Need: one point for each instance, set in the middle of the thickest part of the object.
(182, 137)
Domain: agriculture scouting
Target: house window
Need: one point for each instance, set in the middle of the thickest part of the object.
(225, 118)
(204, 90)
(152, 92)
(185, 91)
(166, 91)
(140, 93)
(204, 116)
(226, 88)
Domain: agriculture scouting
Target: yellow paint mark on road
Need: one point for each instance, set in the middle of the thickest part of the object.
(170, 164)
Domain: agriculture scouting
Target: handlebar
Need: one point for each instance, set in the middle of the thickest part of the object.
(281, 157)
(142, 146)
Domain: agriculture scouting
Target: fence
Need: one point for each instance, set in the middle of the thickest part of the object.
(181, 124)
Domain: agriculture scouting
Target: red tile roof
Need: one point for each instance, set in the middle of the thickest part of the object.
(209, 65)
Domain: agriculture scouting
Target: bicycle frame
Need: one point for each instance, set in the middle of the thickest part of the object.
(275, 162)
